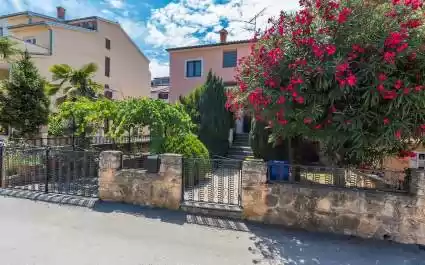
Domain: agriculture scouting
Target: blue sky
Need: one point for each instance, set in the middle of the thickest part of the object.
(159, 24)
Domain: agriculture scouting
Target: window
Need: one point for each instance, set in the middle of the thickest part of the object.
(107, 43)
(194, 68)
(229, 59)
(107, 66)
(163, 95)
(31, 40)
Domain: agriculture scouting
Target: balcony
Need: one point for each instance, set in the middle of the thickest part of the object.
(31, 48)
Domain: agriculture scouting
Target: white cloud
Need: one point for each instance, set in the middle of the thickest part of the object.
(185, 22)
(159, 69)
(133, 28)
(116, 3)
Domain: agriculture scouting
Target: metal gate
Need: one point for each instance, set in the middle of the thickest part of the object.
(51, 170)
(215, 181)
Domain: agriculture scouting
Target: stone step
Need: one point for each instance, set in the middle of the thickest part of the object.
(240, 152)
(241, 143)
(237, 147)
(237, 157)
(213, 209)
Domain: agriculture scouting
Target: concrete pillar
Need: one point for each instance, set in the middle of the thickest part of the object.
(109, 163)
(254, 189)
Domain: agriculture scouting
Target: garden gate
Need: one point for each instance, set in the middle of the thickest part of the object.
(212, 181)
(50, 170)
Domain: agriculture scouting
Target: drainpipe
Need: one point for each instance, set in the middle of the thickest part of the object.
(50, 40)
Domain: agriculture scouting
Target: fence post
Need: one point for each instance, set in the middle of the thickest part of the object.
(1, 164)
(46, 182)
(129, 141)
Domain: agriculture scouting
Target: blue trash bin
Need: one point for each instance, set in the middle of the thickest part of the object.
(278, 170)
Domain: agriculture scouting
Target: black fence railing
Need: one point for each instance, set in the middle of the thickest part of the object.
(383, 180)
(217, 181)
(126, 144)
(50, 170)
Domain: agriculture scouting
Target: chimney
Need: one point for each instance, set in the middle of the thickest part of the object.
(60, 12)
(223, 35)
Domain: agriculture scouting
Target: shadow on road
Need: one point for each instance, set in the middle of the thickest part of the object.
(277, 245)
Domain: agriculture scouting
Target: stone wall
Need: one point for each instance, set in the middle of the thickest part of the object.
(363, 213)
(137, 186)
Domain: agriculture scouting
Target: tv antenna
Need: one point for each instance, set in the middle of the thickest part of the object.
(253, 21)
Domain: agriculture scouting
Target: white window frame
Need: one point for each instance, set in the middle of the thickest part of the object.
(191, 60)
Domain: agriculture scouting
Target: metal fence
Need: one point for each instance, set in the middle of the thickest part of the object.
(51, 170)
(384, 180)
(127, 144)
(217, 181)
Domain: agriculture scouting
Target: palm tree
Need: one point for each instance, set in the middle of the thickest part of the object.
(74, 83)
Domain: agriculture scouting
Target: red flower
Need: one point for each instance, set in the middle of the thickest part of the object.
(318, 51)
(380, 87)
(342, 67)
(418, 88)
(398, 84)
(243, 87)
(394, 39)
(308, 120)
(333, 109)
(392, 13)
(270, 83)
(299, 100)
(296, 81)
(412, 56)
(342, 82)
(423, 127)
(397, 134)
(389, 57)
(389, 94)
(406, 154)
(413, 23)
(406, 90)
(281, 100)
(342, 17)
(382, 77)
(402, 47)
(282, 122)
(330, 49)
(351, 80)
(396, 2)
(358, 48)
(386, 121)
(318, 126)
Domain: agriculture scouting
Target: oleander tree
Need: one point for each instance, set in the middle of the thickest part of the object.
(349, 74)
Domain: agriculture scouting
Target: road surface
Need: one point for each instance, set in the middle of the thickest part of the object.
(37, 233)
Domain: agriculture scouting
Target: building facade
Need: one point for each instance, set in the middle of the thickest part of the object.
(189, 66)
(123, 68)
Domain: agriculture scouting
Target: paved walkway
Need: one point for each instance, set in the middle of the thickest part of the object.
(37, 233)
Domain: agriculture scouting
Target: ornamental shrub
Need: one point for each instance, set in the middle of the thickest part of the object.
(346, 73)
(188, 145)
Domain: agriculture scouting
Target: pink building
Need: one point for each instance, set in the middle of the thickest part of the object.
(189, 66)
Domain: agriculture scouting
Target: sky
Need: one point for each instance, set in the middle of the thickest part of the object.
(155, 25)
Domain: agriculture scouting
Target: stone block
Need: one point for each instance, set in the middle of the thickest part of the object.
(171, 163)
(110, 159)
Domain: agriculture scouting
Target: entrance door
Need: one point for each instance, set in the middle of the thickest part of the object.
(240, 122)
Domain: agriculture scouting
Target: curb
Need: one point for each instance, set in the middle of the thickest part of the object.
(50, 197)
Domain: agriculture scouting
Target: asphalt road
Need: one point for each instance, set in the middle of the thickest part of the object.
(37, 233)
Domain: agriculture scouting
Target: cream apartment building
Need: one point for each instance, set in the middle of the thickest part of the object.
(123, 68)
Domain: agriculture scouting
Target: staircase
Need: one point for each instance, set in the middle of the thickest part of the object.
(240, 147)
